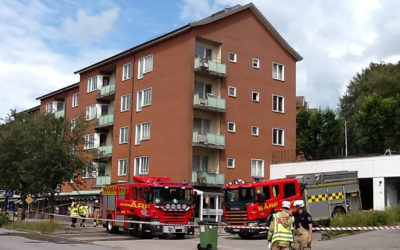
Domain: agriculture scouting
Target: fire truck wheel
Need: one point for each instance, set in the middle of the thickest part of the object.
(246, 236)
(110, 228)
(338, 211)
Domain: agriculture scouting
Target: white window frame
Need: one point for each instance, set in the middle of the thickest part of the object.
(75, 100)
(258, 96)
(275, 132)
(123, 135)
(91, 85)
(86, 144)
(127, 71)
(255, 63)
(90, 115)
(74, 121)
(275, 71)
(140, 168)
(234, 91)
(140, 134)
(230, 165)
(49, 108)
(141, 101)
(234, 60)
(255, 131)
(125, 102)
(277, 98)
(144, 66)
(122, 167)
(254, 173)
(234, 127)
(92, 173)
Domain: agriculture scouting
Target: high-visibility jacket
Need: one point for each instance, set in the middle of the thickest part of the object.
(83, 210)
(74, 209)
(280, 231)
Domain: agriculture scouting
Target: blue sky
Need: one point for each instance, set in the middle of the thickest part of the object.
(44, 41)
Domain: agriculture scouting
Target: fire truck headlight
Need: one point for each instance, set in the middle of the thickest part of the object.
(252, 224)
(173, 206)
(178, 206)
(168, 206)
(184, 206)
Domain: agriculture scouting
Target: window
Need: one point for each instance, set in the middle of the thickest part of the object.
(142, 132)
(254, 131)
(200, 163)
(142, 165)
(89, 141)
(145, 65)
(255, 63)
(278, 137)
(203, 52)
(201, 126)
(257, 168)
(49, 107)
(202, 89)
(123, 135)
(126, 71)
(121, 167)
(232, 57)
(255, 96)
(232, 91)
(230, 163)
(90, 170)
(75, 100)
(92, 84)
(125, 102)
(278, 71)
(275, 191)
(289, 190)
(231, 127)
(91, 112)
(143, 99)
(73, 123)
(278, 103)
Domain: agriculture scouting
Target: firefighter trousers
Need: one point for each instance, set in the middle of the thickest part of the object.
(300, 238)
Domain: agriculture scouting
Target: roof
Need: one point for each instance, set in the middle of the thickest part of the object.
(56, 92)
(212, 18)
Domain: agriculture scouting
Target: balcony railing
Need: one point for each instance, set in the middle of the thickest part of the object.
(105, 121)
(207, 178)
(103, 180)
(59, 114)
(212, 103)
(106, 92)
(209, 140)
(210, 67)
(103, 153)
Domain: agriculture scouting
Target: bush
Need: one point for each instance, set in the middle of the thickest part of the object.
(3, 221)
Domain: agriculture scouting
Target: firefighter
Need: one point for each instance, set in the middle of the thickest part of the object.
(280, 233)
(74, 212)
(96, 215)
(302, 227)
(83, 209)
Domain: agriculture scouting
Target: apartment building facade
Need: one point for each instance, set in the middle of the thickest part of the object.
(207, 103)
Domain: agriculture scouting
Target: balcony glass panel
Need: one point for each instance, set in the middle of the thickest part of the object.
(208, 178)
(59, 114)
(105, 150)
(107, 90)
(103, 180)
(106, 119)
(212, 66)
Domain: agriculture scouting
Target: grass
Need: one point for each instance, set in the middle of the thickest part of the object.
(3, 221)
(45, 226)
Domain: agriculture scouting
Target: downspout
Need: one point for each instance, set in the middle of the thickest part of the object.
(130, 124)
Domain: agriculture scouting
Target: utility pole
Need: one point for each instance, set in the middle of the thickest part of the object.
(345, 137)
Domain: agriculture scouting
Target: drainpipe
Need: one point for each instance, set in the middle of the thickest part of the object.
(130, 124)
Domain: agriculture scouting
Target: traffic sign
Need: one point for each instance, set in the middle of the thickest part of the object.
(11, 206)
(29, 200)
(9, 193)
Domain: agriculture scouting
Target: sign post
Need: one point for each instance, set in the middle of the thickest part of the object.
(29, 201)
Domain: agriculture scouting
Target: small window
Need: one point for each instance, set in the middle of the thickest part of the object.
(230, 162)
(267, 192)
(255, 63)
(123, 135)
(254, 131)
(145, 65)
(91, 112)
(75, 100)
(289, 190)
(232, 91)
(275, 191)
(278, 71)
(126, 71)
(143, 99)
(142, 132)
(257, 168)
(92, 84)
(232, 57)
(278, 137)
(122, 167)
(74, 122)
(125, 102)
(231, 127)
(255, 96)
(278, 103)
(142, 165)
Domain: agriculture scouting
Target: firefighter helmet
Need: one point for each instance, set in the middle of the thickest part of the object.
(286, 204)
(298, 203)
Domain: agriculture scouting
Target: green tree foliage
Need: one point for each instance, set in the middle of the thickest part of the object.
(379, 80)
(319, 134)
(39, 152)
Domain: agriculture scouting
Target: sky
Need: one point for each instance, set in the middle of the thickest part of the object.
(44, 41)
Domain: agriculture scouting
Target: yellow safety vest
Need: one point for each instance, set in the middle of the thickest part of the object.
(83, 210)
(282, 233)
(74, 210)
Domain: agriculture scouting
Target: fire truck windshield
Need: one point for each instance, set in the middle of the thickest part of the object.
(162, 196)
(239, 196)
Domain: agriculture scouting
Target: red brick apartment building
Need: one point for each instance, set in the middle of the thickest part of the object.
(206, 103)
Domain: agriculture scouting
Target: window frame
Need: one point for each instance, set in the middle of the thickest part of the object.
(255, 61)
(277, 97)
(90, 84)
(277, 65)
(75, 100)
(127, 105)
(258, 96)
(138, 165)
(142, 92)
(234, 57)
(126, 76)
(282, 139)
(139, 134)
(234, 90)
(233, 162)
(74, 121)
(87, 139)
(87, 114)
(122, 136)
(257, 133)
(262, 168)
(142, 70)
(120, 166)
(234, 127)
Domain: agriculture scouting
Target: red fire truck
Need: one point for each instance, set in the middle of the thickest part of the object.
(251, 203)
(149, 199)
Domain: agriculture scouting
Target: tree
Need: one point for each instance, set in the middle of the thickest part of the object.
(319, 134)
(39, 152)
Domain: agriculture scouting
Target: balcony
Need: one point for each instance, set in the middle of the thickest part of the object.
(209, 67)
(103, 153)
(103, 180)
(212, 103)
(59, 114)
(105, 121)
(204, 178)
(208, 141)
(106, 93)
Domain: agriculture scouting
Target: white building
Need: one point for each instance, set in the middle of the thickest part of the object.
(379, 176)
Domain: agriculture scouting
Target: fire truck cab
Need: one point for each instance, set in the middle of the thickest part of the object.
(153, 200)
(251, 203)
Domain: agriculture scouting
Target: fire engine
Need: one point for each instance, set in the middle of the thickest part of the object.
(153, 200)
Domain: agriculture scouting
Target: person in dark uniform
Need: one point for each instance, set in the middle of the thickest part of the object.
(302, 227)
